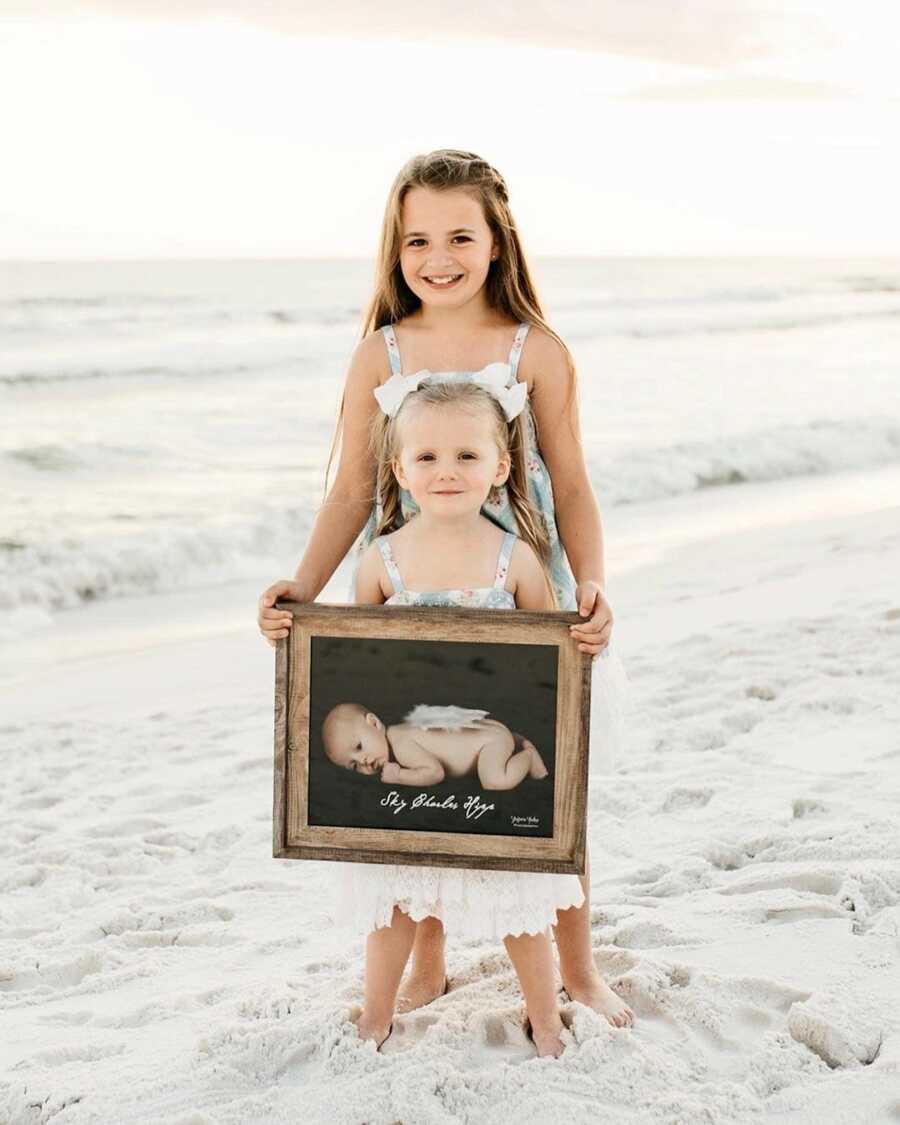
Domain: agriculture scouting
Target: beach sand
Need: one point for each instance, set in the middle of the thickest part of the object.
(158, 965)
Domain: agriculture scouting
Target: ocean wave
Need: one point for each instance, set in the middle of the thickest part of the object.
(70, 571)
(778, 453)
(140, 554)
(50, 457)
(191, 370)
(97, 301)
(872, 283)
(785, 323)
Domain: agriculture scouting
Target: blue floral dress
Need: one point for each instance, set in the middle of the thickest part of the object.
(480, 597)
(610, 693)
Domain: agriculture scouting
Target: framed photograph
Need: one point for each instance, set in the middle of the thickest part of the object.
(431, 735)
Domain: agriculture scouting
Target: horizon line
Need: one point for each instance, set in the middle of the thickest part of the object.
(364, 258)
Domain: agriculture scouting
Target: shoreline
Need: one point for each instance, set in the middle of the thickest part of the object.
(658, 556)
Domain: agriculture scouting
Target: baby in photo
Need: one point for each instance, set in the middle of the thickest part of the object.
(431, 743)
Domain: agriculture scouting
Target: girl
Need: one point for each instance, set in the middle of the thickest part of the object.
(449, 443)
(452, 279)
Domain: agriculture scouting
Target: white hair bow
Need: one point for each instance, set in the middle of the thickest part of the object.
(493, 378)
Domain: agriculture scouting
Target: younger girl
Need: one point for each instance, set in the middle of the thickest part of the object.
(452, 282)
(449, 443)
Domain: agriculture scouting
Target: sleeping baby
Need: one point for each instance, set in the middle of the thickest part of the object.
(431, 743)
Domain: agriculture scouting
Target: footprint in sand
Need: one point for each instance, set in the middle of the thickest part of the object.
(74, 1018)
(495, 1030)
(51, 977)
(45, 802)
(503, 1033)
(815, 882)
(649, 935)
(684, 797)
(125, 827)
(802, 913)
(408, 1031)
(85, 1052)
(177, 801)
(741, 721)
(807, 806)
(844, 1028)
(760, 691)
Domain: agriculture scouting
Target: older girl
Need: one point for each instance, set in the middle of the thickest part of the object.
(453, 293)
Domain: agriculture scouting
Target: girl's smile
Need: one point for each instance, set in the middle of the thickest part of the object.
(436, 283)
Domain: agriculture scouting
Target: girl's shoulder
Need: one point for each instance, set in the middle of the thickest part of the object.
(370, 363)
(523, 556)
(521, 559)
(543, 358)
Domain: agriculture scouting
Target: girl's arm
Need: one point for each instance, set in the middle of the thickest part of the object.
(554, 403)
(349, 501)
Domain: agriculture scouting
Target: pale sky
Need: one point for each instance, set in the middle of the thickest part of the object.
(210, 129)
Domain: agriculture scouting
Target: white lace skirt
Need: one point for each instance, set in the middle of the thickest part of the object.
(471, 904)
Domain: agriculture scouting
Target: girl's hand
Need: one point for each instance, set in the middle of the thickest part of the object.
(390, 772)
(592, 635)
(275, 623)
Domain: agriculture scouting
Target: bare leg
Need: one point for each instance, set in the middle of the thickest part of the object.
(498, 766)
(427, 978)
(579, 974)
(387, 951)
(532, 958)
(538, 769)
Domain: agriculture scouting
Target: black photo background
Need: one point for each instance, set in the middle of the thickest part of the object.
(517, 684)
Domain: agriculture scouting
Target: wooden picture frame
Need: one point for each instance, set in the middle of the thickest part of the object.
(522, 668)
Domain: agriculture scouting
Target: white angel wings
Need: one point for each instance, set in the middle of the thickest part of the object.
(448, 717)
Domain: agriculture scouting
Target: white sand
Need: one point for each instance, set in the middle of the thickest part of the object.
(157, 965)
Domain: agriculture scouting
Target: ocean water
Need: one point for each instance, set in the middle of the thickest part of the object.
(168, 423)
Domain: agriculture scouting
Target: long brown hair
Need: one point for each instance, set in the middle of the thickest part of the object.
(387, 444)
(509, 288)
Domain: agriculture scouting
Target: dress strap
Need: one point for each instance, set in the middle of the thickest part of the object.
(389, 565)
(516, 350)
(390, 339)
(509, 541)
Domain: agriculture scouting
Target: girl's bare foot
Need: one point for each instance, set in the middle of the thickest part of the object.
(538, 769)
(376, 1031)
(546, 1039)
(595, 993)
(418, 990)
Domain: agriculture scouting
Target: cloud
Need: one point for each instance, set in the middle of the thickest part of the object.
(704, 33)
(749, 88)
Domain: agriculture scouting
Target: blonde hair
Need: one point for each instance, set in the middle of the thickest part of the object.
(387, 444)
(509, 288)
